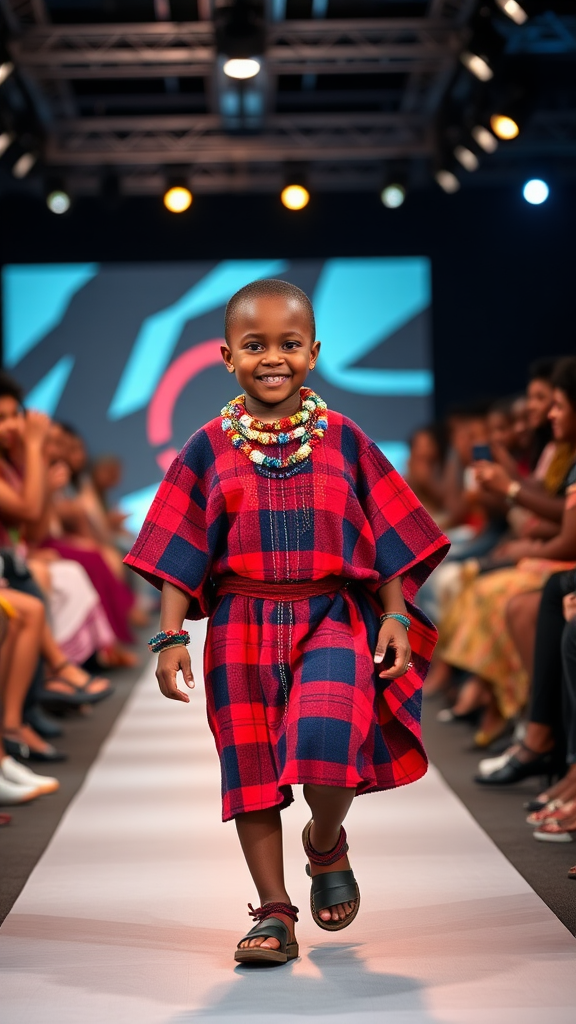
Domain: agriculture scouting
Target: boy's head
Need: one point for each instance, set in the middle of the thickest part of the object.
(270, 339)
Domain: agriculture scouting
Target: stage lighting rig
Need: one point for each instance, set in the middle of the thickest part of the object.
(240, 31)
(484, 48)
(58, 201)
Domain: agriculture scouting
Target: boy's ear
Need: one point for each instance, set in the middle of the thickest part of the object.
(227, 357)
(314, 353)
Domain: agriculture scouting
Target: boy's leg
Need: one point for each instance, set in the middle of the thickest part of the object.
(260, 834)
(329, 806)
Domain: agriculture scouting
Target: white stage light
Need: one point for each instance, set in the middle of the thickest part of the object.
(477, 65)
(513, 10)
(484, 139)
(242, 67)
(535, 191)
(6, 139)
(467, 158)
(447, 181)
(393, 196)
(6, 70)
(58, 201)
(24, 165)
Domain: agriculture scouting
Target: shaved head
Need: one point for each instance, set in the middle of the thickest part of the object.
(266, 289)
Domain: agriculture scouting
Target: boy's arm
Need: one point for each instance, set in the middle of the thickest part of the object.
(173, 608)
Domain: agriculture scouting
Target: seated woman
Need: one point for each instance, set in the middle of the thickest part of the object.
(480, 643)
(424, 470)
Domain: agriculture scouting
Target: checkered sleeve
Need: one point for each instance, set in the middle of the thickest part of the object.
(175, 540)
(408, 543)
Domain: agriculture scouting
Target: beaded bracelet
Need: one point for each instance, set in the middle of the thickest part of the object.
(399, 618)
(168, 638)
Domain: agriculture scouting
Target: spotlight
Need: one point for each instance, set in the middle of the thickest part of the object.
(479, 66)
(6, 69)
(504, 127)
(58, 201)
(6, 140)
(295, 197)
(483, 138)
(178, 198)
(513, 10)
(242, 67)
(535, 191)
(393, 195)
(447, 181)
(24, 165)
(467, 158)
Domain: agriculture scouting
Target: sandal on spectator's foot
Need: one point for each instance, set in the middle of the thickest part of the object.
(269, 926)
(75, 694)
(555, 810)
(572, 873)
(555, 833)
(5, 819)
(331, 887)
(514, 770)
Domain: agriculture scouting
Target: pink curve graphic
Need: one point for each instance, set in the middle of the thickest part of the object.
(177, 376)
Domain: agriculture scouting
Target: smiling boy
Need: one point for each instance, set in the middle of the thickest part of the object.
(284, 524)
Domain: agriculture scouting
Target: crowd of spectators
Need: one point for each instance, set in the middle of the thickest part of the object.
(500, 479)
(67, 610)
(498, 476)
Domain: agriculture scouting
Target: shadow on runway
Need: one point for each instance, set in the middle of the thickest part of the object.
(339, 984)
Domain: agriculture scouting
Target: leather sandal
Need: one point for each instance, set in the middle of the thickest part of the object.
(331, 887)
(269, 927)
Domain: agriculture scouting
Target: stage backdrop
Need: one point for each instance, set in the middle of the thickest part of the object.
(129, 354)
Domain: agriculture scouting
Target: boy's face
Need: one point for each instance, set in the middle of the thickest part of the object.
(270, 348)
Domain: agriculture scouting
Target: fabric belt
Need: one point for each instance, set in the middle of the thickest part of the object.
(276, 590)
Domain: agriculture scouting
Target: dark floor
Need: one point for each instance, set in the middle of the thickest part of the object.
(23, 842)
(501, 814)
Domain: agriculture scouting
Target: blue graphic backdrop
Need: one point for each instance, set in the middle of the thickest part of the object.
(129, 353)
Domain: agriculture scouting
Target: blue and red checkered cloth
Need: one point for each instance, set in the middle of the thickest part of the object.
(292, 691)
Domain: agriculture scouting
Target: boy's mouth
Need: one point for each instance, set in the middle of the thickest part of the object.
(274, 379)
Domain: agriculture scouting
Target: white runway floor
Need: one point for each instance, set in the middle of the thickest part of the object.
(133, 913)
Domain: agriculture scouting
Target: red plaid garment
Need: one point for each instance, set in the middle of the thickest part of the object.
(292, 691)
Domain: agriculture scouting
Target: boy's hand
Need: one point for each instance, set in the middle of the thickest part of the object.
(170, 662)
(393, 649)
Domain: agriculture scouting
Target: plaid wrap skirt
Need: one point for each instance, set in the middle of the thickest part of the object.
(293, 697)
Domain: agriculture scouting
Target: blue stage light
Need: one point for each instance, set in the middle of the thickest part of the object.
(535, 191)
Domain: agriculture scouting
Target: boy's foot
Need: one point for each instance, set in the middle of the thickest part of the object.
(334, 866)
(274, 939)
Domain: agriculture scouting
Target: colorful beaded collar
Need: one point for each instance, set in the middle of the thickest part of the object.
(308, 426)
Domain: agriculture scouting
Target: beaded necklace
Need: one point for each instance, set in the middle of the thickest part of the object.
(308, 426)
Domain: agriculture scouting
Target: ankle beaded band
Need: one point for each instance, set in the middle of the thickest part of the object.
(399, 618)
(168, 638)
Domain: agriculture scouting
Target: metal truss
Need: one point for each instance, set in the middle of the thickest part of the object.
(186, 50)
(160, 141)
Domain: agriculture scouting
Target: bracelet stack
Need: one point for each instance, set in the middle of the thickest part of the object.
(399, 618)
(168, 638)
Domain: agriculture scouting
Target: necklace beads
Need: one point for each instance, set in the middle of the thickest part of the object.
(308, 426)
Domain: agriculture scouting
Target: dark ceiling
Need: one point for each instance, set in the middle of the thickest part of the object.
(123, 94)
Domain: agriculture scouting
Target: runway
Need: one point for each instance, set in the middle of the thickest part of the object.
(133, 912)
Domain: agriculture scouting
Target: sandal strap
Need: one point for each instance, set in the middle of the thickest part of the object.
(270, 909)
(330, 856)
(334, 887)
(60, 666)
